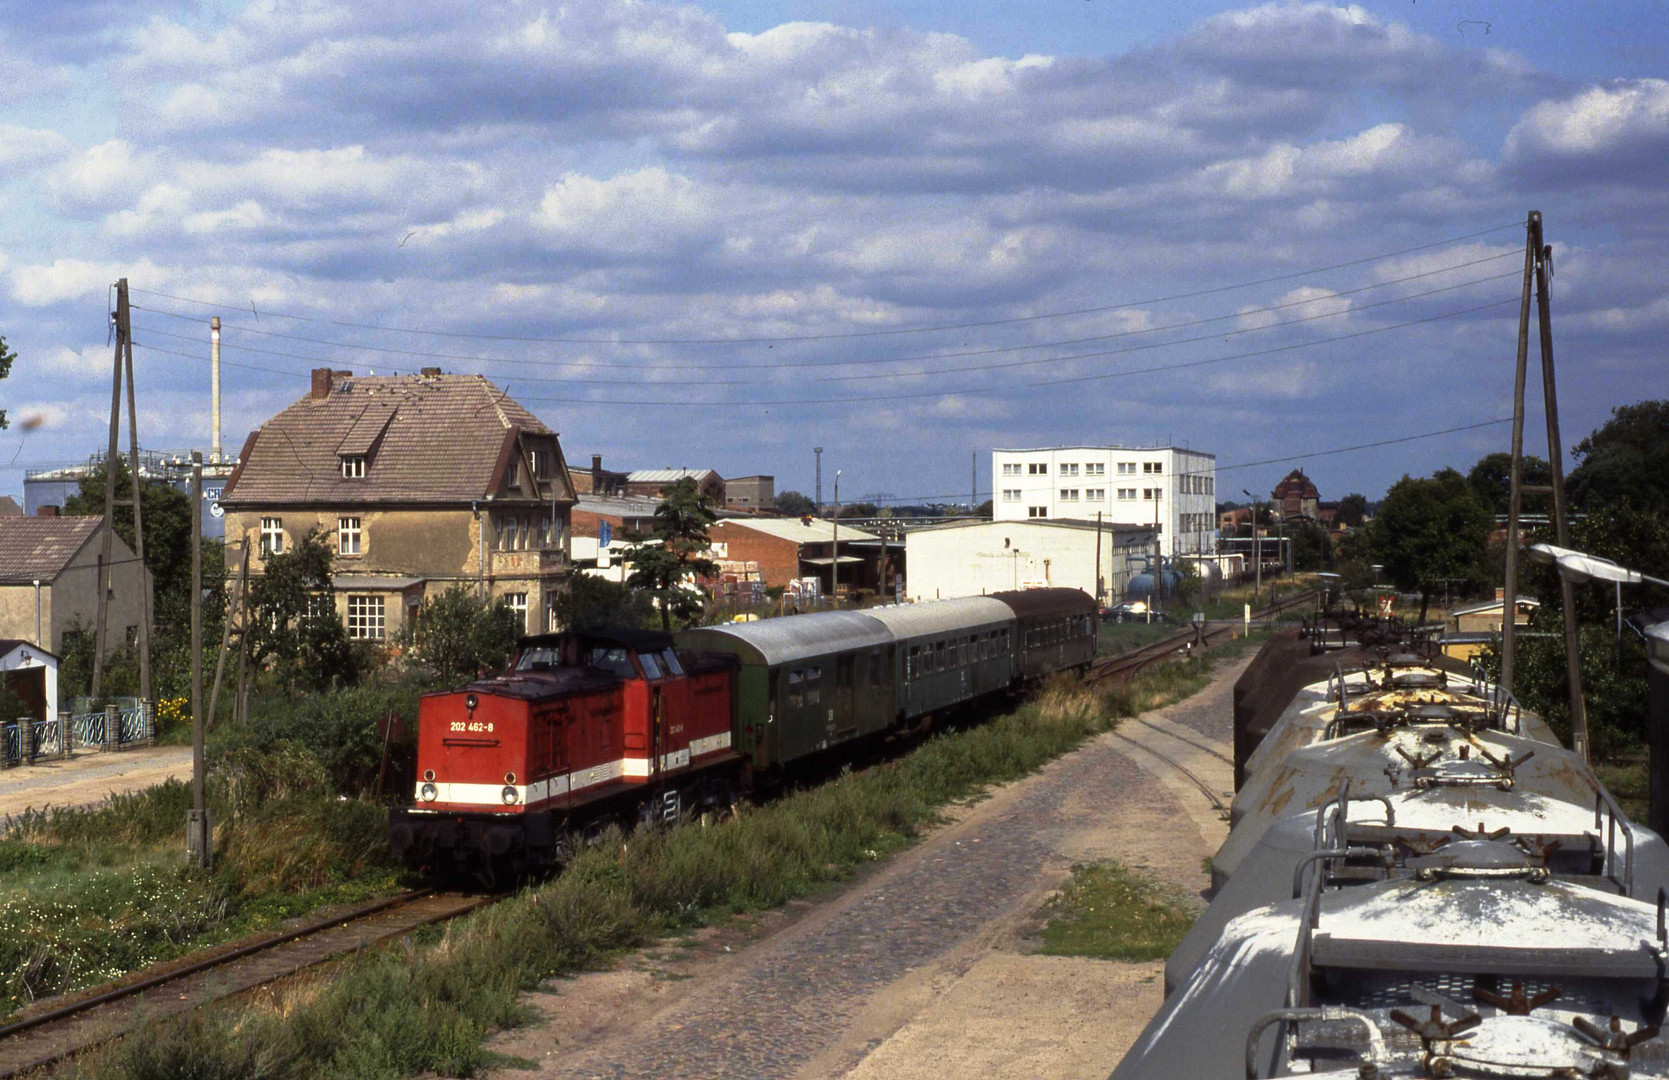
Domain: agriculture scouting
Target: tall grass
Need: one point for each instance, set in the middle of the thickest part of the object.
(396, 1013)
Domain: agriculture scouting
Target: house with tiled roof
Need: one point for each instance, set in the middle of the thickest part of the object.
(49, 580)
(419, 482)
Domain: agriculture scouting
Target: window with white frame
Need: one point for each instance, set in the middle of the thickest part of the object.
(1153, 494)
(366, 618)
(1037, 468)
(1095, 468)
(1095, 494)
(272, 536)
(1154, 467)
(1069, 494)
(1069, 469)
(348, 535)
(353, 466)
(1011, 494)
(1037, 511)
(1127, 494)
(518, 604)
(1011, 468)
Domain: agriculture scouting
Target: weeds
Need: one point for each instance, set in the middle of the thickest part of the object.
(1110, 913)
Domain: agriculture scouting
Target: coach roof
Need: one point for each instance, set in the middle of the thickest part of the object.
(798, 637)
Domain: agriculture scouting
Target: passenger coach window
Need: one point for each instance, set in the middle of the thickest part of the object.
(914, 668)
(795, 696)
(814, 686)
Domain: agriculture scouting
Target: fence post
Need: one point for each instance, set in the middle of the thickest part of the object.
(26, 739)
(147, 715)
(66, 733)
(6, 750)
(112, 727)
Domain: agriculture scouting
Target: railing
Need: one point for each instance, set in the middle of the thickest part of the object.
(26, 741)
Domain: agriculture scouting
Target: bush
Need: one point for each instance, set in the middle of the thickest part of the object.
(340, 729)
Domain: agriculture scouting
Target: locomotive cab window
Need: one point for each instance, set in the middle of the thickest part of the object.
(669, 661)
(537, 660)
(614, 660)
(651, 666)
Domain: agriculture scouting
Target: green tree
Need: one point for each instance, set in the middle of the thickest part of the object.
(1491, 479)
(6, 358)
(1312, 548)
(459, 634)
(593, 603)
(1626, 459)
(860, 510)
(293, 620)
(674, 550)
(1429, 529)
(1353, 510)
(794, 504)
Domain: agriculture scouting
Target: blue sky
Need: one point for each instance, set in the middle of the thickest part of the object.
(720, 234)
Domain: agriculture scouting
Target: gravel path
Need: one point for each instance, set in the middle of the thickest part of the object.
(874, 970)
(90, 777)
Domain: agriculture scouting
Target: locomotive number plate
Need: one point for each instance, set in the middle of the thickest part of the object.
(473, 726)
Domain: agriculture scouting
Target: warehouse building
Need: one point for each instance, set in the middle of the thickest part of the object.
(1120, 482)
(973, 558)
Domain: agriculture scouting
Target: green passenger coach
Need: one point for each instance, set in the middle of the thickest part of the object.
(807, 682)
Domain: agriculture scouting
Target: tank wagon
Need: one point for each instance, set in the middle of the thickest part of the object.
(632, 726)
(1418, 882)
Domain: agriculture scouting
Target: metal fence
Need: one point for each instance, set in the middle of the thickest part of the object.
(80, 731)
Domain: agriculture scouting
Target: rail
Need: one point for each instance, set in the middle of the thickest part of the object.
(44, 1039)
(1127, 664)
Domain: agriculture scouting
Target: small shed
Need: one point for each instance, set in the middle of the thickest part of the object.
(31, 673)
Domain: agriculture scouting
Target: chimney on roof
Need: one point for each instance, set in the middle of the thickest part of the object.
(46, 511)
(321, 383)
(431, 372)
(596, 466)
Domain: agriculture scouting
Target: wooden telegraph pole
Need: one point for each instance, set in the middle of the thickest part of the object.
(199, 830)
(122, 366)
(1537, 259)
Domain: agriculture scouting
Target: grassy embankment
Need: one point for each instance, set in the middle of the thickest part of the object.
(395, 1013)
(90, 894)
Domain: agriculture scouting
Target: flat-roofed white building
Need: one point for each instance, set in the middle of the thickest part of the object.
(1123, 483)
(975, 558)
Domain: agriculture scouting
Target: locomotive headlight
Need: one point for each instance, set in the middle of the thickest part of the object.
(509, 778)
(428, 792)
(471, 701)
(510, 795)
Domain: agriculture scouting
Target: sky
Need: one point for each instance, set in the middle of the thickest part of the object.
(719, 235)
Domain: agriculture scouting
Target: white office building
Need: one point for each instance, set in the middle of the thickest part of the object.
(1125, 484)
(974, 558)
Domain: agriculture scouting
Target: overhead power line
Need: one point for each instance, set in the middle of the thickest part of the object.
(475, 358)
(850, 334)
(961, 391)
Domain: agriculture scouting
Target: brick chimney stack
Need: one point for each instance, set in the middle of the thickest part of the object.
(321, 383)
(46, 511)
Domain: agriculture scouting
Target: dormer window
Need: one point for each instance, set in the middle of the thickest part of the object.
(353, 466)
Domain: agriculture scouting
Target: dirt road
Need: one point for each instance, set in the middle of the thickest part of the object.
(90, 777)
(918, 968)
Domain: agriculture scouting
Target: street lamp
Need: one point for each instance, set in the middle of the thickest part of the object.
(1579, 566)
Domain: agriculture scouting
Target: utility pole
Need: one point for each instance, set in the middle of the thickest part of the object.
(818, 450)
(235, 608)
(199, 834)
(105, 547)
(1100, 591)
(125, 323)
(1537, 256)
(973, 482)
(1257, 548)
(1158, 551)
(834, 560)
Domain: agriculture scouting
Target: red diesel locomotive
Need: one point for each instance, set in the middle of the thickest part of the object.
(594, 727)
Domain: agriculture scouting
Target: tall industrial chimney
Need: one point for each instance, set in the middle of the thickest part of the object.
(214, 384)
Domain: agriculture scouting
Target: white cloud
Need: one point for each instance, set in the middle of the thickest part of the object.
(100, 176)
(1628, 116)
(25, 148)
(41, 284)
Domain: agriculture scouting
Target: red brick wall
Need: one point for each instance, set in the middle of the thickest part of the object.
(778, 559)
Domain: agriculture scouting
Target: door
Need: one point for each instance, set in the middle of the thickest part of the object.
(846, 689)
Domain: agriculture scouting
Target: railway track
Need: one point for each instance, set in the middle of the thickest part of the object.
(1126, 664)
(45, 1036)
